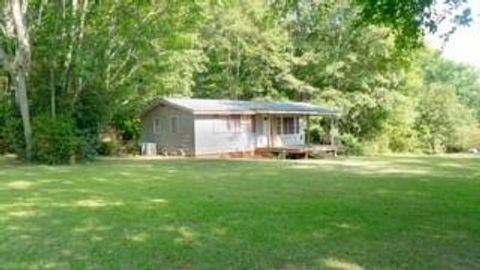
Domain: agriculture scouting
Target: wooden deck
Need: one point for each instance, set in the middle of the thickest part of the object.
(299, 150)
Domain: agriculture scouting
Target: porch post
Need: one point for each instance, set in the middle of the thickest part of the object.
(307, 136)
(271, 120)
(333, 132)
(332, 135)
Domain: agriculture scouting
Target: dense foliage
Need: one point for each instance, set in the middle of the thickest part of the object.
(4, 145)
(54, 139)
(92, 66)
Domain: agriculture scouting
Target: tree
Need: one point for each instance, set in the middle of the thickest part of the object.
(354, 69)
(89, 59)
(17, 29)
(409, 18)
(442, 119)
(249, 54)
(463, 78)
(90, 65)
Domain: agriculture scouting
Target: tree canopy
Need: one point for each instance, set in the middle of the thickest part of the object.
(91, 66)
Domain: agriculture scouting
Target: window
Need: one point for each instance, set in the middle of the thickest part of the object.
(156, 125)
(174, 124)
(231, 124)
(234, 124)
(287, 125)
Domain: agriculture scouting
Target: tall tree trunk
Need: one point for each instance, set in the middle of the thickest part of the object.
(78, 46)
(71, 44)
(73, 63)
(53, 66)
(21, 68)
(53, 105)
(22, 99)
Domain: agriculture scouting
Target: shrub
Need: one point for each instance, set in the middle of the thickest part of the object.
(131, 148)
(13, 136)
(468, 137)
(87, 145)
(110, 143)
(4, 143)
(54, 139)
(113, 143)
(444, 124)
(8, 124)
(127, 125)
(378, 146)
(350, 145)
(107, 149)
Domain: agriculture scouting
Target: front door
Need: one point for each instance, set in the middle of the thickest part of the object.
(262, 131)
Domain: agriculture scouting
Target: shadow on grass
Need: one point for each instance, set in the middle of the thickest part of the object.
(366, 213)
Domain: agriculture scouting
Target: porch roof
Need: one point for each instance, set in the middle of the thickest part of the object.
(224, 106)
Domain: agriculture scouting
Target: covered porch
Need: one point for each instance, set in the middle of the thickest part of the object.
(289, 135)
(305, 151)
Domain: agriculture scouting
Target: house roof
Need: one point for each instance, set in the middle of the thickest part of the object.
(224, 106)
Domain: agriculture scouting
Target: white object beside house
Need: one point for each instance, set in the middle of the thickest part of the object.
(149, 149)
(206, 126)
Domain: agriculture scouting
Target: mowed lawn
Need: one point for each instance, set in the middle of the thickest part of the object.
(348, 214)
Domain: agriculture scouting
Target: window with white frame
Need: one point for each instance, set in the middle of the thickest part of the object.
(287, 125)
(156, 125)
(290, 125)
(234, 124)
(231, 124)
(174, 124)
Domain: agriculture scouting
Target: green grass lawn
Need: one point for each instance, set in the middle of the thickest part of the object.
(348, 214)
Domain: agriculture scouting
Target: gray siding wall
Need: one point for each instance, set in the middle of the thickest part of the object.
(165, 139)
(210, 141)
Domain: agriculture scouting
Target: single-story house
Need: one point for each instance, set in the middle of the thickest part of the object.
(210, 127)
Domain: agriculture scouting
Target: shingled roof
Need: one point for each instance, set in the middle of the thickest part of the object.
(225, 106)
